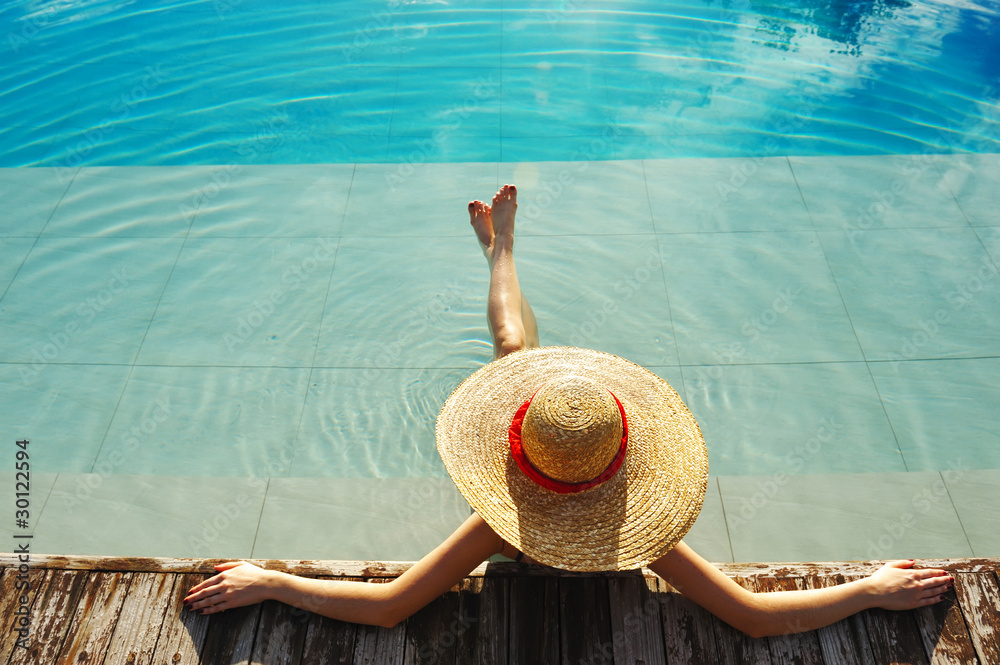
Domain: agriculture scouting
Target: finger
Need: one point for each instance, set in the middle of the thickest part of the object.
(229, 564)
(901, 563)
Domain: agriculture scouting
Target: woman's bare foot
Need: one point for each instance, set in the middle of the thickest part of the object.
(504, 208)
(482, 221)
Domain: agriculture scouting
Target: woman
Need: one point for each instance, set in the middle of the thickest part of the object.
(580, 459)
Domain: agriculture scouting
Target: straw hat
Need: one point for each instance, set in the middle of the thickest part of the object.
(580, 459)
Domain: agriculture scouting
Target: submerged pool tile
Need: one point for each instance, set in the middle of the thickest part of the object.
(39, 487)
(256, 301)
(709, 536)
(974, 493)
(741, 298)
(64, 409)
(373, 423)
(12, 253)
(946, 413)
(300, 200)
(975, 182)
(707, 195)
(406, 200)
(196, 420)
(591, 147)
(918, 293)
(611, 295)
(762, 419)
(564, 198)
(859, 194)
(544, 101)
(420, 302)
(99, 297)
(112, 515)
(130, 201)
(413, 516)
(404, 151)
(29, 197)
(841, 517)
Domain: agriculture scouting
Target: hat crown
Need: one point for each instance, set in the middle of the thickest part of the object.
(572, 429)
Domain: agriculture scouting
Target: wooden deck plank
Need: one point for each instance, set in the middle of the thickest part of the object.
(736, 647)
(376, 645)
(893, 636)
(139, 621)
(636, 624)
(585, 621)
(799, 648)
(980, 599)
(485, 606)
(688, 629)
(845, 642)
(944, 633)
(433, 632)
(328, 640)
(51, 613)
(94, 620)
(230, 636)
(534, 620)
(280, 634)
(11, 590)
(372, 569)
(182, 634)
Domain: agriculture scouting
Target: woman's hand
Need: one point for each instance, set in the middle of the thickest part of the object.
(898, 586)
(239, 583)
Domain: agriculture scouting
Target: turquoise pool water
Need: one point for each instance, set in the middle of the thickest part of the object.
(238, 281)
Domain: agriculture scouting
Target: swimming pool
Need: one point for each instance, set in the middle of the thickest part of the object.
(238, 283)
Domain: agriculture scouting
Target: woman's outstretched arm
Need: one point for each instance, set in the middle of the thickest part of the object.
(240, 583)
(895, 586)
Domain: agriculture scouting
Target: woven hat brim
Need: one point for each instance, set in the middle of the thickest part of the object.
(627, 522)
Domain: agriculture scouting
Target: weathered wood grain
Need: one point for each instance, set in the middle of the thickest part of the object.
(735, 646)
(280, 635)
(329, 641)
(182, 634)
(534, 620)
(433, 632)
(636, 625)
(376, 645)
(688, 630)
(11, 592)
(50, 616)
(371, 569)
(95, 618)
(800, 647)
(484, 603)
(585, 622)
(230, 636)
(944, 634)
(845, 642)
(139, 621)
(980, 599)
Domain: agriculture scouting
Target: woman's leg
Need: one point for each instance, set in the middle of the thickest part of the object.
(512, 322)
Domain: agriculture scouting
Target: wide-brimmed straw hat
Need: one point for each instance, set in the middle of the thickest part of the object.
(580, 459)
